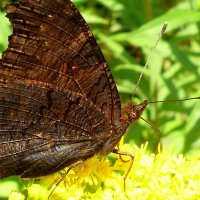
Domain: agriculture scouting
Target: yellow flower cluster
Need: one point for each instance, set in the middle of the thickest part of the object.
(157, 177)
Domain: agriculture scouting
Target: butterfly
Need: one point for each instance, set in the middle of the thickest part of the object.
(59, 104)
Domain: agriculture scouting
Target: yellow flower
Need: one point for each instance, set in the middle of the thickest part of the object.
(86, 171)
(104, 170)
(16, 196)
(37, 191)
(152, 176)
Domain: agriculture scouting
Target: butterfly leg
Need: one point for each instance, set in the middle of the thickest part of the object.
(64, 175)
(120, 153)
(120, 156)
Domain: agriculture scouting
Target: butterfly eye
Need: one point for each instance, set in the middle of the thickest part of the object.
(133, 116)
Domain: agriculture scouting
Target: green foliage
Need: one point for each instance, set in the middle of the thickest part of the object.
(126, 31)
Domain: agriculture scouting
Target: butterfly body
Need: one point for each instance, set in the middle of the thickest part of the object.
(58, 101)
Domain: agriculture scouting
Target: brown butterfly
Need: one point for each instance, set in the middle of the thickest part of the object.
(58, 101)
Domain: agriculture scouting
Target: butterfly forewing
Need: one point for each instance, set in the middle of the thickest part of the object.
(53, 44)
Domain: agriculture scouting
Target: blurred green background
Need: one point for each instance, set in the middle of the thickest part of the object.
(126, 30)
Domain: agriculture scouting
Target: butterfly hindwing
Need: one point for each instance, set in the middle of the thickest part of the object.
(40, 136)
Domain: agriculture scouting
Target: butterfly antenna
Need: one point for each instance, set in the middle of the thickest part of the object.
(176, 100)
(152, 125)
(164, 27)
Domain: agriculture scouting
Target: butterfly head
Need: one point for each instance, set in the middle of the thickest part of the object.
(132, 111)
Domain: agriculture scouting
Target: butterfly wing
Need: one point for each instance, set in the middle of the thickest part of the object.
(53, 44)
(38, 136)
(58, 100)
